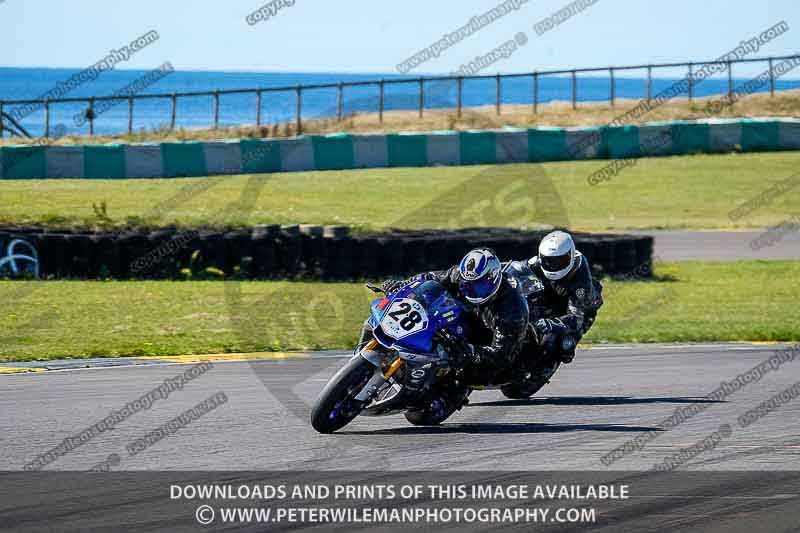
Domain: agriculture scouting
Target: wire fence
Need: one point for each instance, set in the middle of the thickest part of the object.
(420, 98)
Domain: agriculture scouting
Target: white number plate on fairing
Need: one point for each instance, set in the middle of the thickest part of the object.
(405, 317)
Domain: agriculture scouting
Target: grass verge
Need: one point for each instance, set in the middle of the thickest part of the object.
(692, 301)
(669, 192)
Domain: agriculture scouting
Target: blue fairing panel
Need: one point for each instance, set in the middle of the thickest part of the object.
(442, 310)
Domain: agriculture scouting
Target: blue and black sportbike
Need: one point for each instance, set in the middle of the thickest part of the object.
(408, 365)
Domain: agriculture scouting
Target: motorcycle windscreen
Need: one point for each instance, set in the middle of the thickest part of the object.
(376, 311)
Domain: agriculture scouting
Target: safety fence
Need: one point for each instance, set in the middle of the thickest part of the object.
(424, 87)
(288, 252)
(345, 151)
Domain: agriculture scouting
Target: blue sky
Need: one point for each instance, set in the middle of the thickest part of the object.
(374, 36)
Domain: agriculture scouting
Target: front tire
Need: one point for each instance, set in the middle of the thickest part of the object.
(336, 405)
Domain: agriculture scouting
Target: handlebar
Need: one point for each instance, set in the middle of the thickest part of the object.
(374, 288)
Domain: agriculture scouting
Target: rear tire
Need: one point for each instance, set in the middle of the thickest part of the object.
(519, 392)
(523, 391)
(336, 407)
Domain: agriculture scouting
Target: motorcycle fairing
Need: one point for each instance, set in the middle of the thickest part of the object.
(434, 305)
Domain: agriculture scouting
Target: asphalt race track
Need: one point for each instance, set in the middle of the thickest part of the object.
(676, 245)
(608, 396)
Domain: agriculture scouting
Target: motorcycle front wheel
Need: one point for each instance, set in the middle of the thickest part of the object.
(336, 405)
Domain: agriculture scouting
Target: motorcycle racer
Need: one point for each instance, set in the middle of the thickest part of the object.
(498, 312)
(563, 297)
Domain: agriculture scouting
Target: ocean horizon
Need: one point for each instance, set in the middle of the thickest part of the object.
(20, 83)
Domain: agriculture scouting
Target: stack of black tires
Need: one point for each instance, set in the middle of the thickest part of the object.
(296, 252)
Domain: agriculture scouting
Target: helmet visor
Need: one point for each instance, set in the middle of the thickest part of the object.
(555, 263)
(480, 290)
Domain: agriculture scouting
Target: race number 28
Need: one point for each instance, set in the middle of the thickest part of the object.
(410, 318)
(404, 317)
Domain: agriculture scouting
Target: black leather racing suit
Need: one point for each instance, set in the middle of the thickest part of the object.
(558, 307)
(497, 328)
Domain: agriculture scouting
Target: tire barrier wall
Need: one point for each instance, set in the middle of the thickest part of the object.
(295, 252)
(344, 151)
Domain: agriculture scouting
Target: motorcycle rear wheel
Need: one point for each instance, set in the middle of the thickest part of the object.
(336, 405)
(523, 391)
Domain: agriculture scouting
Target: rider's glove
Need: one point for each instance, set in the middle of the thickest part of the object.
(542, 327)
(546, 334)
(458, 351)
(545, 326)
(391, 286)
(462, 353)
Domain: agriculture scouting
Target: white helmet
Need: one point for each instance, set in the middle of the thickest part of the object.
(557, 254)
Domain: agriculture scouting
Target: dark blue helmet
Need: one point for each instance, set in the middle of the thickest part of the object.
(481, 273)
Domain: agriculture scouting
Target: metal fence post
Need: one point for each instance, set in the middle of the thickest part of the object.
(771, 79)
(46, 118)
(130, 115)
(299, 109)
(460, 92)
(258, 109)
(380, 101)
(497, 93)
(216, 109)
(690, 78)
(611, 88)
(340, 102)
(174, 111)
(535, 92)
(421, 96)
(649, 82)
(91, 116)
(574, 91)
(730, 79)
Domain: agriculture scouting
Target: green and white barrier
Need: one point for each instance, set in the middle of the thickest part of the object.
(344, 151)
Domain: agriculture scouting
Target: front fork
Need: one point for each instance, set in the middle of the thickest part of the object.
(380, 378)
